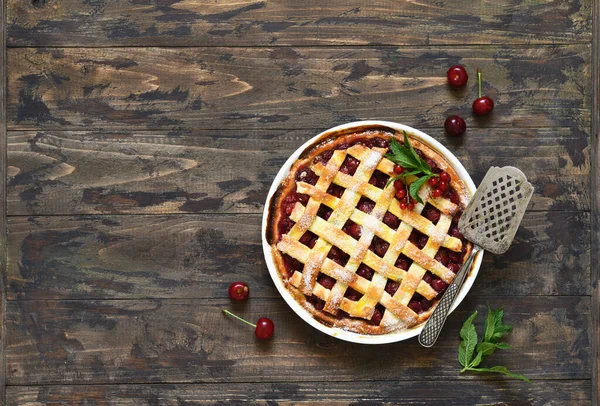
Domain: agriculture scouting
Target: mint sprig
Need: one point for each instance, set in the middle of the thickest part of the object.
(406, 156)
(471, 353)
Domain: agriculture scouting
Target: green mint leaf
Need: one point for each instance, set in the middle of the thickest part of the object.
(395, 146)
(500, 330)
(416, 185)
(401, 155)
(469, 341)
(489, 326)
(485, 348)
(407, 174)
(476, 361)
(401, 159)
(414, 154)
(501, 370)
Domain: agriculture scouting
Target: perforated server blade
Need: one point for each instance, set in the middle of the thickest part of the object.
(490, 221)
(493, 216)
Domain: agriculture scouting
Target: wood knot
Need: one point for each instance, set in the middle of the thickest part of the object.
(39, 3)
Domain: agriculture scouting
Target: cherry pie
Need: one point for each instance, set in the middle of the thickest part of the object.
(349, 250)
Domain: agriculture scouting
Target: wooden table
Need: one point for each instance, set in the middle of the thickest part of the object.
(142, 137)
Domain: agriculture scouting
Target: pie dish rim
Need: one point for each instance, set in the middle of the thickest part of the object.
(359, 126)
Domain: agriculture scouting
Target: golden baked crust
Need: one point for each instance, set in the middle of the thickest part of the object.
(397, 315)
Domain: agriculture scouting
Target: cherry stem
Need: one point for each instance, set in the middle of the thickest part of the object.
(479, 80)
(239, 318)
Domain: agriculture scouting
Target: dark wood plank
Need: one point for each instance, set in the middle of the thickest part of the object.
(240, 88)
(595, 174)
(3, 175)
(254, 22)
(198, 256)
(64, 173)
(187, 341)
(515, 393)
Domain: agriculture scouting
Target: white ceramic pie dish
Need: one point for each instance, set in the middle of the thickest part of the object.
(267, 249)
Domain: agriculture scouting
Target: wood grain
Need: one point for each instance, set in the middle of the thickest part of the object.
(280, 22)
(316, 88)
(508, 393)
(191, 341)
(3, 176)
(595, 177)
(230, 171)
(198, 256)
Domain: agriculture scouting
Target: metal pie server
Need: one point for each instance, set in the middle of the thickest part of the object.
(490, 221)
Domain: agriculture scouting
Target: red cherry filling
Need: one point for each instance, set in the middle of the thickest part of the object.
(442, 256)
(417, 238)
(439, 286)
(377, 315)
(431, 213)
(403, 262)
(284, 226)
(335, 190)
(453, 267)
(391, 287)
(317, 303)
(309, 239)
(366, 272)
(324, 157)
(425, 304)
(349, 166)
(428, 277)
(292, 265)
(326, 281)
(324, 212)
(353, 295)
(456, 257)
(415, 306)
(352, 229)
(379, 246)
(338, 256)
(454, 231)
(379, 179)
(306, 175)
(365, 204)
(341, 315)
(391, 221)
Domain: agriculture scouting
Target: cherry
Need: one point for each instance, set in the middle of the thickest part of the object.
(401, 194)
(439, 285)
(436, 192)
(415, 306)
(425, 304)
(263, 329)
(457, 76)
(238, 291)
(403, 206)
(377, 316)
(398, 185)
(445, 176)
(433, 181)
(455, 126)
(443, 186)
(410, 206)
(482, 105)
(432, 214)
(398, 169)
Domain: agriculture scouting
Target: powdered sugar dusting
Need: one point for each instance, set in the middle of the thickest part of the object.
(372, 160)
